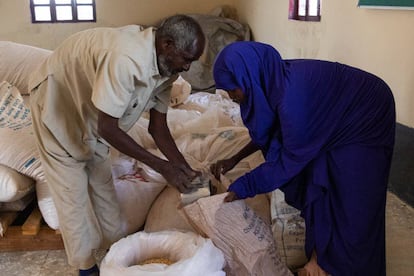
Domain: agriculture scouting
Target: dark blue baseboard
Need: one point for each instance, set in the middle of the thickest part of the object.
(402, 169)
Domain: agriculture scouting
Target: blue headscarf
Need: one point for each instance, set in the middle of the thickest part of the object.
(258, 69)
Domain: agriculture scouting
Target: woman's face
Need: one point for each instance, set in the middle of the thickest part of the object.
(236, 95)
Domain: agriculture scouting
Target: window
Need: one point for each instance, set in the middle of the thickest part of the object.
(305, 10)
(51, 11)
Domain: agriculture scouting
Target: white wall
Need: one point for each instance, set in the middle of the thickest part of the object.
(379, 41)
(15, 19)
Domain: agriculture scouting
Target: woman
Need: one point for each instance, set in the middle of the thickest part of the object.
(326, 131)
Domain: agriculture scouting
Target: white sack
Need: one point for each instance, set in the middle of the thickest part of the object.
(192, 254)
(135, 197)
(46, 204)
(18, 62)
(200, 113)
(18, 147)
(14, 185)
(134, 193)
(204, 148)
(220, 101)
(121, 164)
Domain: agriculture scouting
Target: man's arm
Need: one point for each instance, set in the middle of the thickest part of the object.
(158, 128)
(109, 130)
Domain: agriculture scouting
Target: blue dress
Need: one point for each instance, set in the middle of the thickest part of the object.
(327, 133)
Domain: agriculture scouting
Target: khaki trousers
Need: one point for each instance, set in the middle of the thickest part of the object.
(82, 191)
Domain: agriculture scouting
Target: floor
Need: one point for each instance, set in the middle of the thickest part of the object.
(400, 249)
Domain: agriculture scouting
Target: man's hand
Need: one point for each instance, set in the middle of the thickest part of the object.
(180, 176)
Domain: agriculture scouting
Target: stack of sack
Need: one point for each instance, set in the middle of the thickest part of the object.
(20, 167)
(21, 176)
(206, 127)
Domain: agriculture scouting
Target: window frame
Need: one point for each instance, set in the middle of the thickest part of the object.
(52, 4)
(294, 11)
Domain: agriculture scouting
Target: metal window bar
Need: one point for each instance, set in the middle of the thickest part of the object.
(52, 5)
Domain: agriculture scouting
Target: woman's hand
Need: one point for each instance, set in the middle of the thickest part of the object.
(231, 196)
(222, 166)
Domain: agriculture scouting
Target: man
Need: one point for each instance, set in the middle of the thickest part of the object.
(85, 97)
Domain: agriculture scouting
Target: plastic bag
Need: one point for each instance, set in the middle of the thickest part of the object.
(191, 254)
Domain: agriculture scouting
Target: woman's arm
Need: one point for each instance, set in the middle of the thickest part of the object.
(223, 166)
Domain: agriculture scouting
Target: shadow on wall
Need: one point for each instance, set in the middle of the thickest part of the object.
(402, 168)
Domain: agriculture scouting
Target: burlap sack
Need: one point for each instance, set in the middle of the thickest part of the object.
(245, 238)
(14, 185)
(164, 213)
(288, 230)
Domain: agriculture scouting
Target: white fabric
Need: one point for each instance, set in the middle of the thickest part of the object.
(191, 254)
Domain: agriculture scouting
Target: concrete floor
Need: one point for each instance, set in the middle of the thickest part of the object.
(400, 249)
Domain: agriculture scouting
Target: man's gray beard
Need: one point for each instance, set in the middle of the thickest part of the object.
(163, 67)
